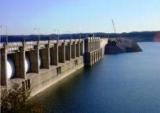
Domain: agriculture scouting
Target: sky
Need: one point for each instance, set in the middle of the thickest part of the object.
(74, 16)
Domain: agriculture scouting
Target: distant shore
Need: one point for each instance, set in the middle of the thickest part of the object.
(121, 45)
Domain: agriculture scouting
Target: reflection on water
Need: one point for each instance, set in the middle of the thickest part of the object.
(126, 83)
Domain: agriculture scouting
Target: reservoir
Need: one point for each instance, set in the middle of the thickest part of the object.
(124, 83)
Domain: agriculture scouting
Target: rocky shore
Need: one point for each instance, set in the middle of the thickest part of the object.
(121, 45)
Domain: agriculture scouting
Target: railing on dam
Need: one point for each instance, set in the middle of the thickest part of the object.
(26, 38)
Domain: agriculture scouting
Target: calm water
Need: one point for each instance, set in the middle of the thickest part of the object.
(126, 83)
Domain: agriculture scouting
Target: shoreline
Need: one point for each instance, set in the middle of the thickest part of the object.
(55, 81)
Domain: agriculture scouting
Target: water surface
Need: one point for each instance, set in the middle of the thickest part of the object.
(125, 83)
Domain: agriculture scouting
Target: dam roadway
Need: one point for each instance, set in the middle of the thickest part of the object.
(36, 65)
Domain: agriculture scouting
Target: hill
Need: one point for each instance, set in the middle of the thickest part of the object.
(146, 36)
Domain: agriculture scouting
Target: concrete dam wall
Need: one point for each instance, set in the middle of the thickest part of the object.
(36, 65)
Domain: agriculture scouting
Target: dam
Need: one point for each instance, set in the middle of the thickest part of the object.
(36, 65)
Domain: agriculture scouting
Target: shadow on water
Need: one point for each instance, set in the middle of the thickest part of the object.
(60, 95)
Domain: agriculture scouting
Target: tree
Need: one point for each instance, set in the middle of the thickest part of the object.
(15, 101)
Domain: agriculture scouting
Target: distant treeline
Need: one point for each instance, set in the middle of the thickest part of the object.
(136, 36)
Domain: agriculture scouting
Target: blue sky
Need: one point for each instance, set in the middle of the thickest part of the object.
(71, 16)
